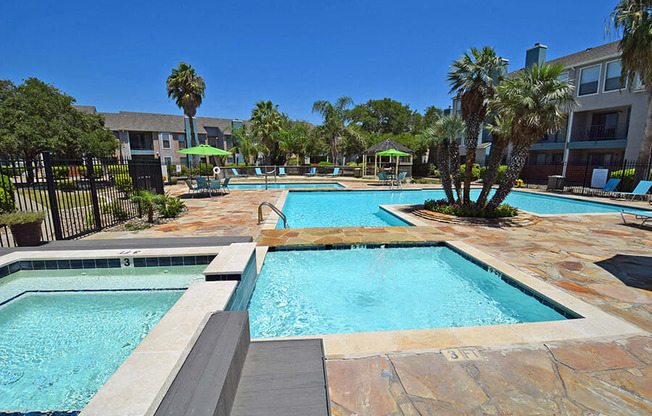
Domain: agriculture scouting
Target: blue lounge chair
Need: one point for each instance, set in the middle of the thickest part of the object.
(225, 185)
(312, 172)
(215, 186)
(609, 187)
(336, 171)
(202, 183)
(281, 172)
(643, 216)
(400, 179)
(259, 173)
(641, 190)
(192, 189)
(382, 177)
(236, 174)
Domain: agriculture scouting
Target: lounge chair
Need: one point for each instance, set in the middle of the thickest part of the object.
(202, 183)
(215, 186)
(312, 172)
(225, 185)
(400, 179)
(643, 216)
(336, 171)
(192, 189)
(382, 177)
(259, 173)
(281, 172)
(641, 190)
(239, 175)
(609, 187)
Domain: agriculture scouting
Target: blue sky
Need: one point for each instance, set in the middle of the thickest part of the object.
(116, 55)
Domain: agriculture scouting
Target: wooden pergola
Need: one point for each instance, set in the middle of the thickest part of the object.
(386, 144)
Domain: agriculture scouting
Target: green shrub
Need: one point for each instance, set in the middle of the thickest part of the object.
(9, 197)
(442, 206)
(205, 169)
(60, 172)
(11, 171)
(20, 218)
(7, 202)
(97, 170)
(67, 185)
(172, 181)
(170, 207)
(475, 171)
(116, 209)
(627, 180)
(325, 164)
(499, 177)
(116, 170)
(124, 184)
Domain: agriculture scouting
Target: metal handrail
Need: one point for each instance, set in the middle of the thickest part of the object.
(276, 210)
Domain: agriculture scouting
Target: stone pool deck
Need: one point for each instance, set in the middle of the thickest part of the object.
(593, 257)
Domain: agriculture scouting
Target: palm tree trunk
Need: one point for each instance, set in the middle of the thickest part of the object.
(432, 151)
(516, 163)
(454, 152)
(444, 172)
(499, 147)
(642, 172)
(192, 140)
(471, 143)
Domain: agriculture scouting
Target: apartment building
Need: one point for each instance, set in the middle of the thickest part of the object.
(150, 135)
(609, 123)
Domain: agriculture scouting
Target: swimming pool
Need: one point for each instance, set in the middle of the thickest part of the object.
(65, 332)
(361, 208)
(284, 185)
(359, 289)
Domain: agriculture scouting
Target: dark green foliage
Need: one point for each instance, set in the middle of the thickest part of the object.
(7, 202)
(97, 170)
(205, 169)
(11, 171)
(444, 207)
(67, 185)
(170, 207)
(124, 183)
(626, 178)
(60, 172)
(475, 171)
(19, 218)
(116, 170)
(501, 172)
(116, 209)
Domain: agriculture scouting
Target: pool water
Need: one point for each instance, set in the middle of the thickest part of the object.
(311, 292)
(65, 332)
(361, 208)
(284, 185)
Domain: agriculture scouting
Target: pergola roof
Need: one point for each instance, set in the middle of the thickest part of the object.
(386, 145)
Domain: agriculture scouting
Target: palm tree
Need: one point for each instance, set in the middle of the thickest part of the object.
(501, 134)
(336, 125)
(633, 18)
(293, 140)
(267, 122)
(537, 102)
(243, 142)
(452, 126)
(187, 88)
(473, 78)
(436, 137)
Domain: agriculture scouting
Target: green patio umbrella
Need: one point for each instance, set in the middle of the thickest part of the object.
(204, 150)
(393, 152)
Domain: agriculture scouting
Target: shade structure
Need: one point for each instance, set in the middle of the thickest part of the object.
(392, 152)
(204, 150)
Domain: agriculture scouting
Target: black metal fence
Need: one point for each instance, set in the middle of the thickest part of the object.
(579, 176)
(79, 196)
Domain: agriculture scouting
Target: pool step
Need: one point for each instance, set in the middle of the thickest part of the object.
(227, 375)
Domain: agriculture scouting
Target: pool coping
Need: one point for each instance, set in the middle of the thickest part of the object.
(593, 323)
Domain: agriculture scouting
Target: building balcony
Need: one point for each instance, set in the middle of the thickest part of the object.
(598, 132)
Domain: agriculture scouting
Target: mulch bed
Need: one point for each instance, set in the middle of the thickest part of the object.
(142, 224)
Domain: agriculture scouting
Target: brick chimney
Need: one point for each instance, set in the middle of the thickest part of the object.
(536, 55)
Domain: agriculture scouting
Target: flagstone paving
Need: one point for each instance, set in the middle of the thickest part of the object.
(589, 256)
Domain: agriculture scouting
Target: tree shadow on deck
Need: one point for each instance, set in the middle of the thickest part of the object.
(634, 271)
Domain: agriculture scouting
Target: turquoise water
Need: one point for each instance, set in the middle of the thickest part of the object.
(283, 185)
(57, 349)
(360, 208)
(310, 292)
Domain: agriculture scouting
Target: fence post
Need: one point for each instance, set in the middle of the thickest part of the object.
(90, 171)
(52, 196)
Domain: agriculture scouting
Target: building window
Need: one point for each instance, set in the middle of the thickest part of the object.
(141, 141)
(541, 159)
(183, 161)
(202, 139)
(182, 141)
(168, 160)
(589, 79)
(612, 81)
(227, 141)
(563, 77)
(165, 140)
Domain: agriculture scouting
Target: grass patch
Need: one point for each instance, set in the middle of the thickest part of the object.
(64, 199)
